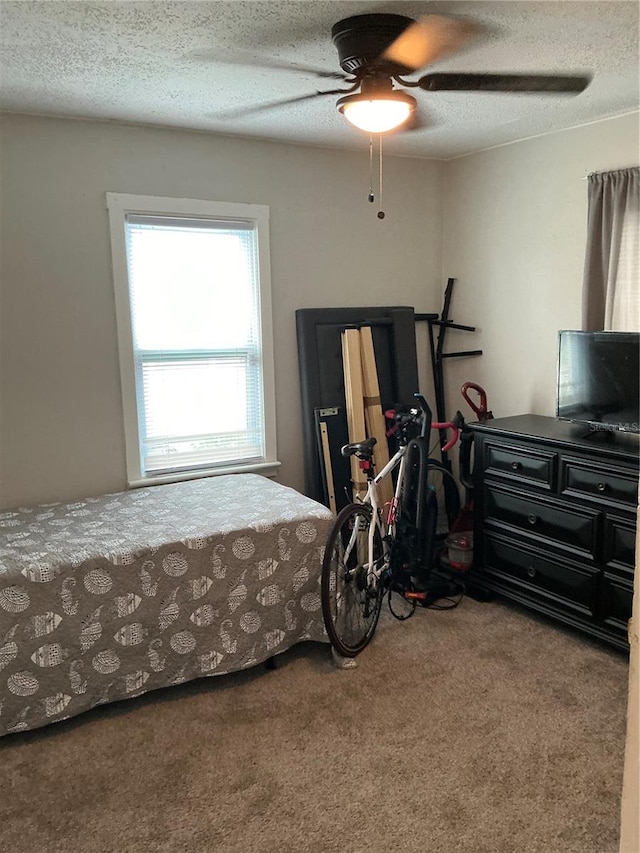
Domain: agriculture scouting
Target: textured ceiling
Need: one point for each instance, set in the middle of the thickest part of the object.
(184, 64)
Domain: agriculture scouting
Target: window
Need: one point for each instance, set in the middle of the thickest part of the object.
(193, 309)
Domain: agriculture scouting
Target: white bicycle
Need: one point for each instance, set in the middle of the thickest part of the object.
(369, 550)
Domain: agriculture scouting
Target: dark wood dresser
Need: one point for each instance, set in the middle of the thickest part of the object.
(555, 519)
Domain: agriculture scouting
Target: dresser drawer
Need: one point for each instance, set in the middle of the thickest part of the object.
(532, 573)
(615, 603)
(620, 545)
(529, 467)
(560, 524)
(604, 483)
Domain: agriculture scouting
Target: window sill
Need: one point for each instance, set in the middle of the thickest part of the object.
(267, 469)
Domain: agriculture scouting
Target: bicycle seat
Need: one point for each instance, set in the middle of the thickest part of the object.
(360, 448)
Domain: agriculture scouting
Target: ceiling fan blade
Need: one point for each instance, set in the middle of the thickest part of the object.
(428, 39)
(504, 83)
(240, 112)
(242, 59)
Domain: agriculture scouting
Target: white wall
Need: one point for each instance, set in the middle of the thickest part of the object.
(60, 409)
(514, 237)
(508, 223)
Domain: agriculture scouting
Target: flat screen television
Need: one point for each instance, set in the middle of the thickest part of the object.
(599, 380)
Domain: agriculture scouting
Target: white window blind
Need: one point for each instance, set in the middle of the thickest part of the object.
(194, 300)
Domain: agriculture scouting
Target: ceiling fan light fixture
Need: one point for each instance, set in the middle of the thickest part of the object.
(377, 113)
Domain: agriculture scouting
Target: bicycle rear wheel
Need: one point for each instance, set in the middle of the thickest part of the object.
(350, 599)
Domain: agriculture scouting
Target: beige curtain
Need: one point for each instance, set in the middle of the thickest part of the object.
(612, 273)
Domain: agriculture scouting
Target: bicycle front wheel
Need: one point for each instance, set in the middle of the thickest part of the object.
(351, 595)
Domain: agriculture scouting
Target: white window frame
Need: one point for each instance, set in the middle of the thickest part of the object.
(119, 206)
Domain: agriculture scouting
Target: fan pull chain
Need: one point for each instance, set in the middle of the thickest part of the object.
(371, 196)
(380, 210)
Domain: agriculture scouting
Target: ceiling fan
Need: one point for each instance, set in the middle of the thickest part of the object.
(377, 50)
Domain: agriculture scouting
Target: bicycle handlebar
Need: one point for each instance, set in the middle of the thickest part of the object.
(403, 418)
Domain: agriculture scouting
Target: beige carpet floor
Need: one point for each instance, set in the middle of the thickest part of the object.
(480, 730)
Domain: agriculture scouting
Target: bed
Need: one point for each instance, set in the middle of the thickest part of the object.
(113, 596)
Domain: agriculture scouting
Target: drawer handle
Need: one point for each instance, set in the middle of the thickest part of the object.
(602, 487)
(531, 572)
(532, 519)
(516, 466)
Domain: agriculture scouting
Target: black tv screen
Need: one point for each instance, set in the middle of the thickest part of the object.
(599, 380)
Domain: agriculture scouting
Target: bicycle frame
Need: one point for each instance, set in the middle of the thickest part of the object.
(398, 459)
(375, 572)
(388, 536)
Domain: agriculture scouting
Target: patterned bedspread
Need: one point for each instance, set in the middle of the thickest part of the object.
(113, 596)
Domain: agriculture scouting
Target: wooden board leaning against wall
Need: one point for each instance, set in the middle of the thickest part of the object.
(364, 410)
